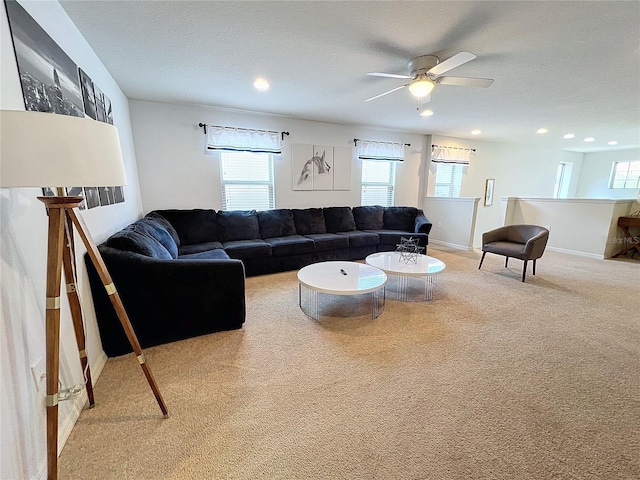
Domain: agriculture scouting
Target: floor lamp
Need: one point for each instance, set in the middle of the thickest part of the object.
(44, 150)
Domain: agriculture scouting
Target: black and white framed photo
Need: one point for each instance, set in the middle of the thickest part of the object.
(49, 78)
(92, 197)
(87, 94)
(77, 192)
(118, 194)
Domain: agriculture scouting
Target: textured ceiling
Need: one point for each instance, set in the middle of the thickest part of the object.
(567, 66)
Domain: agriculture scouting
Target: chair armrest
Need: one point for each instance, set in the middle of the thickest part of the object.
(534, 248)
(422, 224)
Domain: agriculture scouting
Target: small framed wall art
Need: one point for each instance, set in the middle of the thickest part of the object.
(488, 191)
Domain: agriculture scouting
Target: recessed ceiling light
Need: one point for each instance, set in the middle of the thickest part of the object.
(612, 142)
(426, 113)
(476, 132)
(589, 139)
(569, 135)
(261, 84)
(542, 130)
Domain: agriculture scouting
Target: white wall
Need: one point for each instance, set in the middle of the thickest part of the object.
(453, 220)
(599, 237)
(23, 253)
(518, 170)
(175, 172)
(596, 174)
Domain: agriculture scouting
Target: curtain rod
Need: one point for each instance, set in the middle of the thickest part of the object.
(454, 148)
(356, 140)
(204, 127)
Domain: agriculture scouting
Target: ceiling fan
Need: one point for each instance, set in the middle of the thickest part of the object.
(425, 72)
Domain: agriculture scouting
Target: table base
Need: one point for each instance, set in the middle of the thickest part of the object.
(378, 300)
(430, 281)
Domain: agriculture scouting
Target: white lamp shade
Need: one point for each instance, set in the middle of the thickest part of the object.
(48, 150)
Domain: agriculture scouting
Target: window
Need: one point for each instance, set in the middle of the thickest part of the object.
(563, 177)
(448, 179)
(247, 180)
(625, 175)
(378, 182)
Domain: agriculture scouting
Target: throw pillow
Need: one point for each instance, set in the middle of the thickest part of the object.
(339, 219)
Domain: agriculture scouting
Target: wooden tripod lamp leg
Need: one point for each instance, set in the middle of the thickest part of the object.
(101, 268)
(52, 318)
(69, 265)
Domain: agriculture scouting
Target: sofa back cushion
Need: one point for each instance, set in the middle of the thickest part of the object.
(156, 217)
(160, 233)
(276, 223)
(400, 218)
(369, 217)
(339, 219)
(238, 225)
(309, 221)
(135, 239)
(193, 226)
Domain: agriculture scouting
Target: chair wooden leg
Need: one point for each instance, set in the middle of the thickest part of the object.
(524, 270)
(482, 260)
(534, 267)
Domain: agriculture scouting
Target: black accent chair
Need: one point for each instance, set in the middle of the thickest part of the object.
(525, 242)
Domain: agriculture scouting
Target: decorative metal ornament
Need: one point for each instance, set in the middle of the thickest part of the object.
(409, 250)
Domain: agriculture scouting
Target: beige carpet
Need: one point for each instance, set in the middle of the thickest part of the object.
(493, 379)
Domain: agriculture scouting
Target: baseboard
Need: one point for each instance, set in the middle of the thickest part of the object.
(455, 246)
(576, 252)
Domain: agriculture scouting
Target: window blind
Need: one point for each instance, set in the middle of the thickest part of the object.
(247, 181)
(448, 180)
(378, 182)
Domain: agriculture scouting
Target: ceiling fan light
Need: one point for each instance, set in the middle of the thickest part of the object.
(421, 87)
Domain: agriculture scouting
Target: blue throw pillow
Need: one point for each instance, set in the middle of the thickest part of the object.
(157, 231)
(135, 239)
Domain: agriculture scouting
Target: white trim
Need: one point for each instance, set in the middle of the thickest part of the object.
(598, 256)
(451, 245)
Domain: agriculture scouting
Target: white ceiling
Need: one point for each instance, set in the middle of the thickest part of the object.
(572, 67)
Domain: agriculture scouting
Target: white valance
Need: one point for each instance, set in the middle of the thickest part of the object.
(243, 140)
(444, 154)
(371, 150)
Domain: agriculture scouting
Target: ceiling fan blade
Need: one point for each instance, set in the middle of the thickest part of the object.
(386, 93)
(452, 62)
(465, 81)
(388, 75)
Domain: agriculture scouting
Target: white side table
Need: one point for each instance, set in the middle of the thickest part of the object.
(427, 268)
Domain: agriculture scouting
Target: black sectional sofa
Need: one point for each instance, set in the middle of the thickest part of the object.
(180, 273)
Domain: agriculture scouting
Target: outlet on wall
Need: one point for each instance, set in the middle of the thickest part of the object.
(39, 374)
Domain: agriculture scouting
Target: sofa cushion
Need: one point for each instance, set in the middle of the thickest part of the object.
(166, 224)
(245, 249)
(369, 217)
(360, 239)
(329, 241)
(135, 239)
(276, 223)
(193, 226)
(238, 225)
(290, 245)
(215, 254)
(201, 247)
(400, 218)
(309, 221)
(338, 219)
(160, 233)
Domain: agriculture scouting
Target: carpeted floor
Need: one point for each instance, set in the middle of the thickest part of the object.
(493, 379)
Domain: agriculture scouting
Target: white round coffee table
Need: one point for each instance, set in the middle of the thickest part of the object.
(427, 268)
(342, 278)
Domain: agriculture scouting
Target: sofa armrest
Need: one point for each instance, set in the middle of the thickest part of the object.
(422, 224)
(167, 300)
